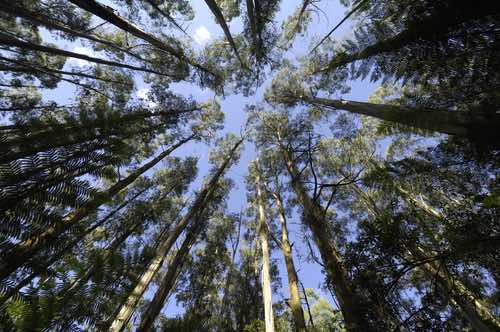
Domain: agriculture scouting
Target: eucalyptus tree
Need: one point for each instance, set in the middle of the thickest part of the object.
(222, 160)
(453, 58)
(294, 141)
(288, 88)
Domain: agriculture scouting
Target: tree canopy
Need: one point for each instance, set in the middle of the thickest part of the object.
(131, 201)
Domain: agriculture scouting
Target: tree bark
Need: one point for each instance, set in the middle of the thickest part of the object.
(108, 14)
(128, 308)
(29, 248)
(353, 309)
(264, 244)
(430, 28)
(15, 42)
(473, 125)
(168, 282)
(49, 23)
(222, 22)
(293, 280)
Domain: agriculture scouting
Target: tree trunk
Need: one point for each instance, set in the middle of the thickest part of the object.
(430, 28)
(128, 308)
(475, 125)
(29, 248)
(166, 15)
(264, 244)
(353, 309)
(49, 23)
(222, 22)
(108, 14)
(170, 277)
(293, 280)
(15, 42)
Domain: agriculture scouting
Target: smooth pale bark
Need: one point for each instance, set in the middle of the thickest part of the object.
(127, 309)
(29, 248)
(222, 22)
(67, 248)
(474, 310)
(293, 280)
(464, 124)
(430, 28)
(266, 266)
(12, 9)
(8, 40)
(108, 14)
(168, 281)
(353, 308)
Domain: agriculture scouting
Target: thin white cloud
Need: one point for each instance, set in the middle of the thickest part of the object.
(81, 50)
(202, 35)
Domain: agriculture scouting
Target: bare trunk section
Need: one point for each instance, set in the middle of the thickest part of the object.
(15, 42)
(128, 308)
(353, 309)
(222, 22)
(15, 10)
(29, 248)
(293, 280)
(465, 124)
(430, 28)
(108, 14)
(264, 244)
(168, 282)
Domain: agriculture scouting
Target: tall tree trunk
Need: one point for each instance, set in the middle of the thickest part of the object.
(29, 248)
(430, 28)
(465, 124)
(293, 280)
(48, 22)
(108, 14)
(264, 245)
(170, 277)
(352, 306)
(222, 22)
(8, 40)
(166, 15)
(128, 308)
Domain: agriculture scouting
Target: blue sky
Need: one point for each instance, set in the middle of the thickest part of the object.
(203, 29)
(233, 106)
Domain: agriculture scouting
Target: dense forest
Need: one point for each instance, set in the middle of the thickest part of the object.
(120, 208)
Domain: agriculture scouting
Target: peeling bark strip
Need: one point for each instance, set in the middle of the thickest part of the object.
(108, 14)
(264, 244)
(465, 124)
(127, 309)
(29, 248)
